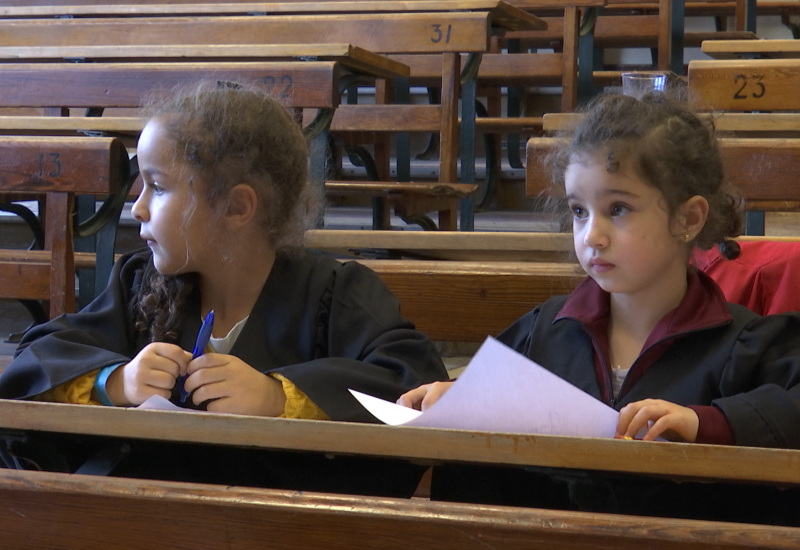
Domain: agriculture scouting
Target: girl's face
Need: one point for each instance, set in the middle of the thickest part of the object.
(176, 222)
(622, 232)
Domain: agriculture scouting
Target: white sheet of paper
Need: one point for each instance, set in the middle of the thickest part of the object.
(504, 391)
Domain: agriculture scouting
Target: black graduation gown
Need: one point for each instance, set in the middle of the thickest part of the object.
(748, 366)
(326, 326)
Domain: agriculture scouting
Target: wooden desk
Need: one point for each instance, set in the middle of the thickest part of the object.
(280, 64)
(305, 76)
(478, 246)
(741, 124)
(505, 13)
(47, 510)
(352, 58)
(55, 171)
(778, 467)
(738, 49)
(745, 84)
(447, 33)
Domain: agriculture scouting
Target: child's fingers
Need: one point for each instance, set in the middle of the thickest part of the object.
(635, 417)
(657, 418)
(167, 357)
(413, 398)
(205, 361)
(424, 396)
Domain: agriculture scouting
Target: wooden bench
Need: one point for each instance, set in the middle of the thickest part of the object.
(505, 66)
(465, 301)
(310, 77)
(401, 32)
(503, 275)
(745, 84)
(54, 170)
(688, 461)
(746, 12)
(477, 246)
(443, 278)
(658, 26)
(305, 76)
(784, 124)
(167, 508)
(747, 49)
(502, 290)
(52, 510)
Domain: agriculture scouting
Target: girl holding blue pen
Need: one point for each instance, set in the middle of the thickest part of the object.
(223, 209)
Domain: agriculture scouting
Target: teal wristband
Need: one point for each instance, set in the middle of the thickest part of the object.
(100, 384)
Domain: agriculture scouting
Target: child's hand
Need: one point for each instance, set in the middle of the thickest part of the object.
(424, 396)
(232, 386)
(152, 372)
(665, 419)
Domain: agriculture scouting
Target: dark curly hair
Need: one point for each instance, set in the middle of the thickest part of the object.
(230, 134)
(668, 145)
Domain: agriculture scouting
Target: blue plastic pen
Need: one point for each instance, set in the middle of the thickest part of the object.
(199, 348)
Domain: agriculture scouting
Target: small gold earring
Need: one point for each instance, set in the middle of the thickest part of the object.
(687, 237)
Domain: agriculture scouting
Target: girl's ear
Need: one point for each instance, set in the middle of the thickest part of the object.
(242, 205)
(692, 215)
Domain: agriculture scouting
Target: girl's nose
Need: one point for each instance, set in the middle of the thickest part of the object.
(595, 235)
(139, 210)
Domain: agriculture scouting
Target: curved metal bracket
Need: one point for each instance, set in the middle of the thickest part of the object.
(320, 123)
(111, 207)
(349, 80)
(588, 22)
(470, 69)
(422, 220)
(492, 165)
(359, 156)
(30, 219)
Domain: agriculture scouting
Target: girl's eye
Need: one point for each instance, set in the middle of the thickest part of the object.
(578, 212)
(157, 189)
(619, 210)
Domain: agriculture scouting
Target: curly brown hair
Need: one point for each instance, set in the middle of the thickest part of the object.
(669, 146)
(230, 134)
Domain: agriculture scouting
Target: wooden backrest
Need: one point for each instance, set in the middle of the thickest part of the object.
(46, 507)
(748, 49)
(558, 68)
(651, 28)
(745, 84)
(352, 58)
(729, 124)
(304, 84)
(384, 32)
(764, 170)
(404, 31)
(505, 13)
(55, 169)
(741, 10)
(466, 301)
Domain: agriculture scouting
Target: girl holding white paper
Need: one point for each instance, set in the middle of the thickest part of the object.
(642, 183)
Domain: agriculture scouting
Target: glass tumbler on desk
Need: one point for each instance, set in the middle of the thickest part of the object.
(639, 84)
